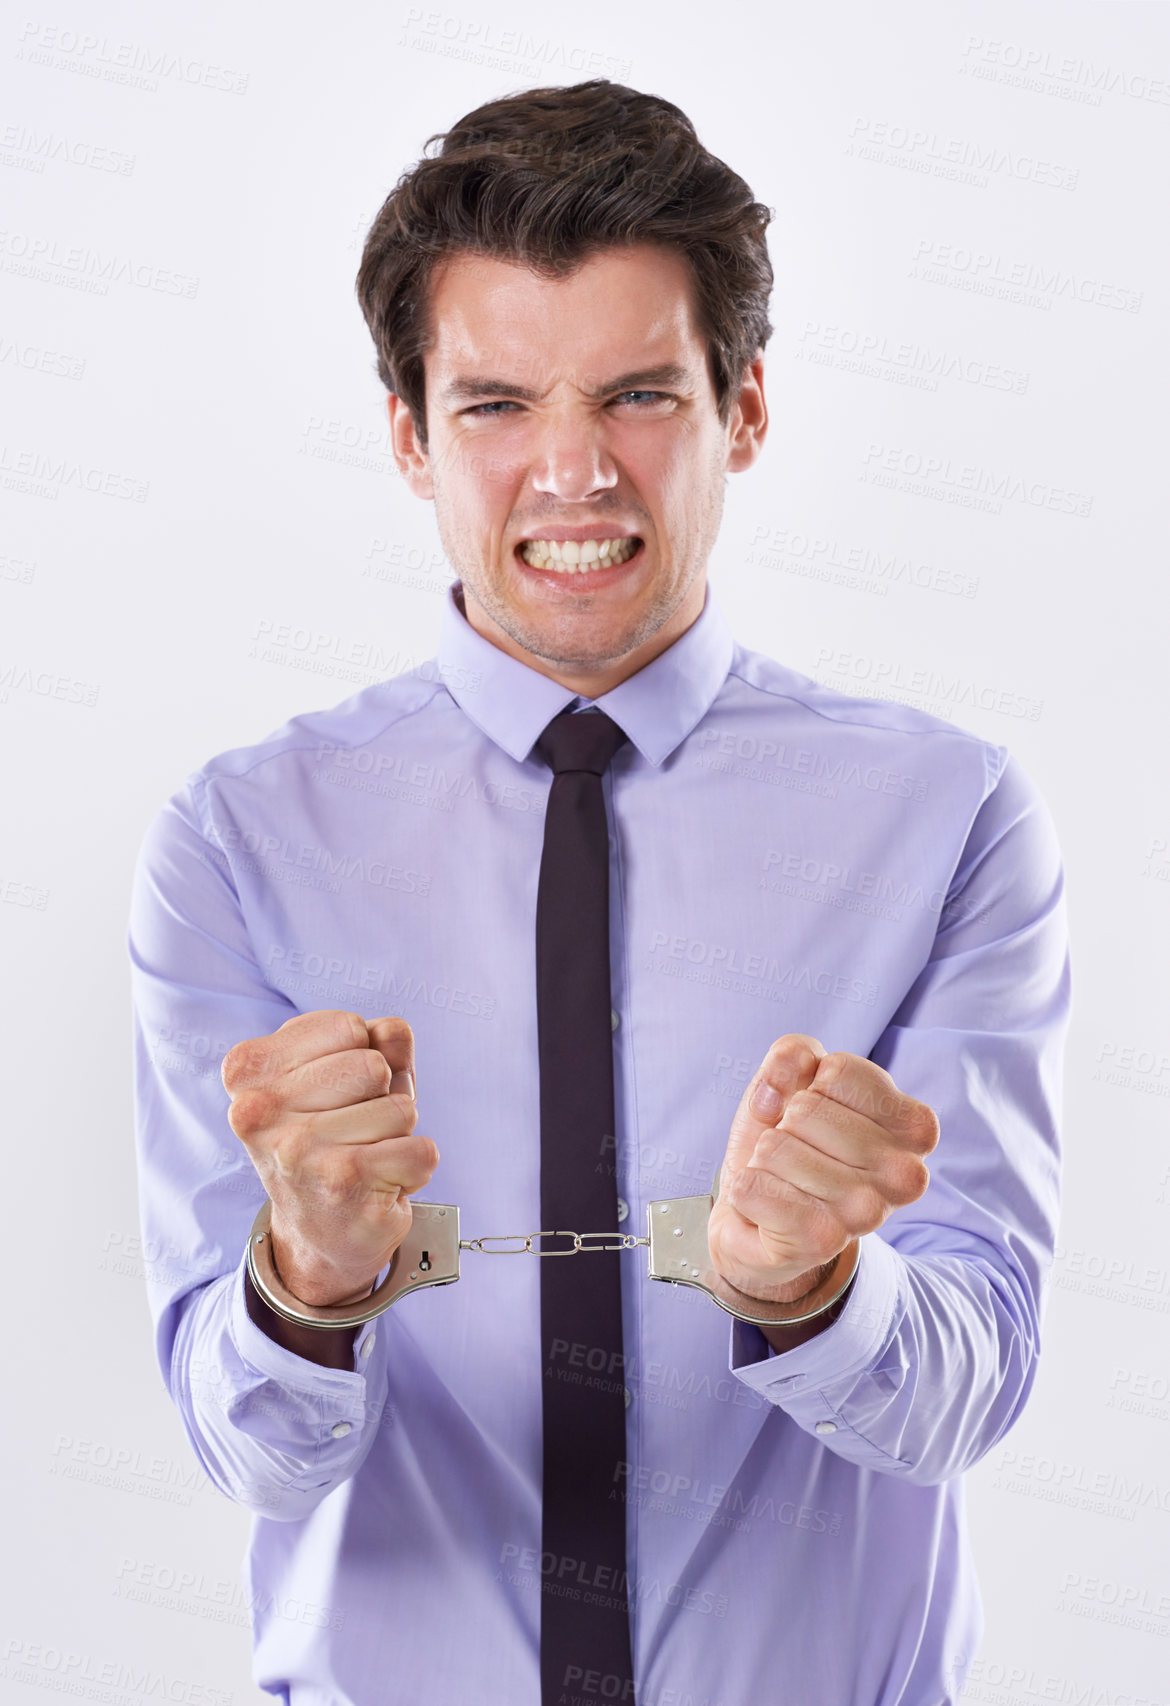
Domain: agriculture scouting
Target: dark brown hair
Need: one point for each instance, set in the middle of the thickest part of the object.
(548, 177)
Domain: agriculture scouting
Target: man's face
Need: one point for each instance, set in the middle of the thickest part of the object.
(577, 411)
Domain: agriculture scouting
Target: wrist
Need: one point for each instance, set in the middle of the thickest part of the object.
(805, 1284)
(313, 1283)
(829, 1283)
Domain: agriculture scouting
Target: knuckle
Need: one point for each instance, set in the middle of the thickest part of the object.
(252, 1112)
(910, 1179)
(924, 1128)
(343, 1185)
(304, 1167)
(830, 1067)
(921, 1180)
(868, 1207)
(354, 1022)
(423, 1153)
(803, 1103)
(376, 1066)
(390, 1027)
(240, 1064)
(326, 1030)
(391, 1116)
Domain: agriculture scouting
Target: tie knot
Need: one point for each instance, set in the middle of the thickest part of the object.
(580, 740)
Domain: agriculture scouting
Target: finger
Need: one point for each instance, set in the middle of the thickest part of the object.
(305, 1037)
(876, 1158)
(364, 1122)
(825, 1125)
(334, 1081)
(394, 1040)
(354, 1143)
(800, 1186)
(265, 1124)
(788, 1066)
(868, 1089)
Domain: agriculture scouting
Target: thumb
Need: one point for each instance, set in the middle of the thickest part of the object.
(394, 1041)
(789, 1065)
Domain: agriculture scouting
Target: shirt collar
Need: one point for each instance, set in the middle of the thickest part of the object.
(513, 703)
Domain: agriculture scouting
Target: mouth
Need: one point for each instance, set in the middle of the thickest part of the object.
(580, 563)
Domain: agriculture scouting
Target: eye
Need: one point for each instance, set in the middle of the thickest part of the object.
(491, 411)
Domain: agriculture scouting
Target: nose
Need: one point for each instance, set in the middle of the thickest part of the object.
(571, 460)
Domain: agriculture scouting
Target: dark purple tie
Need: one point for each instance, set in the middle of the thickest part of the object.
(584, 1601)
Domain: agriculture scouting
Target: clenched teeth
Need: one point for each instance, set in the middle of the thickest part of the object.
(567, 556)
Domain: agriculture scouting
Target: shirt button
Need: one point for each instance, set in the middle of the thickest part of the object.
(824, 1427)
(340, 1429)
(368, 1346)
(629, 1396)
(614, 1021)
(623, 1209)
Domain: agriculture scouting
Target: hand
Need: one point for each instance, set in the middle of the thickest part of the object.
(325, 1107)
(794, 1191)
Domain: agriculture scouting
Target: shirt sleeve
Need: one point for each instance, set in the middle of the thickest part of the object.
(273, 1431)
(934, 1353)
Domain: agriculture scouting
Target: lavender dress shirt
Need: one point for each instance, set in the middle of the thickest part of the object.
(784, 858)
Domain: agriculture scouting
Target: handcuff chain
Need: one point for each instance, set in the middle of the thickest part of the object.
(522, 1245)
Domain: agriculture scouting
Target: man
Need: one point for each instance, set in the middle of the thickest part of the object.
(844, 915)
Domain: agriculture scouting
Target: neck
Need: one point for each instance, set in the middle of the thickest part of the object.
(590, 683)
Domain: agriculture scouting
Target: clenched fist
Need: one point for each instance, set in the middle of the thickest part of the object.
(325, 1107)
(822, 1148)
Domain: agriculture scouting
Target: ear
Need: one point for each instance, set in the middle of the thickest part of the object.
(748, 423)
(413, 462)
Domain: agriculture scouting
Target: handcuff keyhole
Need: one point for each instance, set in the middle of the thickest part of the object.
(425, 1261)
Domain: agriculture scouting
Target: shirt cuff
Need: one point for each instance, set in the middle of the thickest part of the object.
(276, 1362)
(852, 1344)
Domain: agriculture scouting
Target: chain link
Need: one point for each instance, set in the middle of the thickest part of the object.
(522, 1245)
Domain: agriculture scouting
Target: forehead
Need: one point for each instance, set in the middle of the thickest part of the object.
(634, 301)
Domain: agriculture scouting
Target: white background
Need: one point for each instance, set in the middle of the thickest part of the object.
(974, 196)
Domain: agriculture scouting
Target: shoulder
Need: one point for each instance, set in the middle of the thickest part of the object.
(886, 732)
(286, 758)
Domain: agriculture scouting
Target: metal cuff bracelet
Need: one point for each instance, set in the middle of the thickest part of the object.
(429, 1255)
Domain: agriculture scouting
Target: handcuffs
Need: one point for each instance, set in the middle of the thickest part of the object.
(429, 1255)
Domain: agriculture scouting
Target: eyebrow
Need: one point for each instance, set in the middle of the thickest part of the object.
(465, 389)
